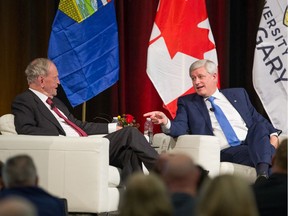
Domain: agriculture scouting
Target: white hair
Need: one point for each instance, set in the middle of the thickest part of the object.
(209, 65)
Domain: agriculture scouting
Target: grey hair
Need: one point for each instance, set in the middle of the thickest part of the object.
(209, 65)
(38, 67)
(18, 171)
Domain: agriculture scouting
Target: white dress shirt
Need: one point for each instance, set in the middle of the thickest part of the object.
(231, 114)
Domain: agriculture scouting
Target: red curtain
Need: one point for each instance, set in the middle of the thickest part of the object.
(137, 93)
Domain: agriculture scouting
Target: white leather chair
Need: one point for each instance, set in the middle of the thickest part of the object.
(205, 150)
(75, 168)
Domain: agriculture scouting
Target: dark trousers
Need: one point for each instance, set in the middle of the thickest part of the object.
(128, 149)
(254, 150)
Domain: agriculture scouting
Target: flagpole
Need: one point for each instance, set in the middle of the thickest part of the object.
(84, 112)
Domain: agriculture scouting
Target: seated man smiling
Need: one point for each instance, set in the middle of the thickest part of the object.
(246, 136)
(38, 112)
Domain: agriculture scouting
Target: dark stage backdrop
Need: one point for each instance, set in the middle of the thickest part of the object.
(25, 28)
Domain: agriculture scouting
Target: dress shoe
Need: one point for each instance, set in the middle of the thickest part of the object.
(262, 178)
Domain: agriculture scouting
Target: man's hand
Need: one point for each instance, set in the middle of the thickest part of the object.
(118, 127)
(157, 117)
(274, 141)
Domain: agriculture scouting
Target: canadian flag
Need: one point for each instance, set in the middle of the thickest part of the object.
(181, 35)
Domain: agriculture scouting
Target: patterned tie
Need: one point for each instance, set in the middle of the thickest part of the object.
(74, 126)
(224, 123)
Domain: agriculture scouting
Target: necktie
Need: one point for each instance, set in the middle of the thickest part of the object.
(224, 123)
(74, 126)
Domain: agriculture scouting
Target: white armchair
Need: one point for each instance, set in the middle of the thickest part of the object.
(205, 150)
(75, 168)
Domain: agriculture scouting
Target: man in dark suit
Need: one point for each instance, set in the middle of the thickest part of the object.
(1, 180)
(271, 195)
(20, 179)
(256, 138)
(35, 114)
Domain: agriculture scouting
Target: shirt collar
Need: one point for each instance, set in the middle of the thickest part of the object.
(216, 94)
(41, 96)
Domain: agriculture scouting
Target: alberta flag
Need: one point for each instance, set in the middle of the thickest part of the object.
(270, 75)
(181, 35)
(84, 46)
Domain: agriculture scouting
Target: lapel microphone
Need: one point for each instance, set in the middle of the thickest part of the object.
(211, 109)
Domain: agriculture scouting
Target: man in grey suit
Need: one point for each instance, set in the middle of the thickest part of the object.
(256, 138)
(35, 115)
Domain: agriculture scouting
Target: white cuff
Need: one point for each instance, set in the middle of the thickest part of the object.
(166, 128)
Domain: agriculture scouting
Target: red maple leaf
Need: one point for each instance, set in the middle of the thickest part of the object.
(177, 21)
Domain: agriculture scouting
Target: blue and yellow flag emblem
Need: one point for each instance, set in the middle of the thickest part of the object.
(84, 46)
(79, 9)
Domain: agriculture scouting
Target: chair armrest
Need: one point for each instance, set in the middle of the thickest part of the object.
(282, 137)
(205, 150)
(165, 142)
(75, 168)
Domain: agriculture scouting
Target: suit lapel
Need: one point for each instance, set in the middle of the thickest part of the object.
(47, 113)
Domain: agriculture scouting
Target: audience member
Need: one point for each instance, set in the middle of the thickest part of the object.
(38, 112)
(17, 206)
(161, 163)
(246, 136)
(1, 179)
(271, 195)
(203, 177)
(20, 179)
(145, 195)
(181, 177)
(226, 195)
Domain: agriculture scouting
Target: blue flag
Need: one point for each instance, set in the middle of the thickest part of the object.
(84, 47)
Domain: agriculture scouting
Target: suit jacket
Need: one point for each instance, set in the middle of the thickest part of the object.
(46, 204)
(271, 196)
(183, 204)
(193, 118)
(34, 118)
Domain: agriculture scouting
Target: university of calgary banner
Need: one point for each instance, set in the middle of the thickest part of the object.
(270, 62)
(181, 35)
(84, 46)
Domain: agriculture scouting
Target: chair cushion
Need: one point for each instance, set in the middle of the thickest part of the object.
(247, 172)
(114, 176)
(7, 126)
